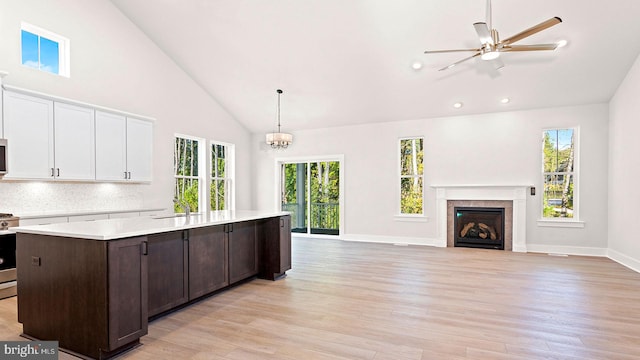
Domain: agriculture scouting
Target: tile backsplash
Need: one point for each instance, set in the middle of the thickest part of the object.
(34, 196)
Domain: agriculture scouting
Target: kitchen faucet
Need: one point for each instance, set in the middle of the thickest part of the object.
(184, 205)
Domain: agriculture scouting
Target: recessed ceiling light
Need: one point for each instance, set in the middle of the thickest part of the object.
(505, 100)
(457, 105)
(561, 43)
(417, 65)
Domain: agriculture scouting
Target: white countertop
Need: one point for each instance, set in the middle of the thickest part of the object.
(139, 226)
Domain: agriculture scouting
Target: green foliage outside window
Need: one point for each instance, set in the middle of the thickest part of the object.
(558, 165)
(185, 165)
(411, 176)
(218, 180)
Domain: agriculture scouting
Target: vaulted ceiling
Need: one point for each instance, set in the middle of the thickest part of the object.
(349, 61)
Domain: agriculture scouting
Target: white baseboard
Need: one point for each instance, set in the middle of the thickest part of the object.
(400, 240)
(568, 250)
(631, 263)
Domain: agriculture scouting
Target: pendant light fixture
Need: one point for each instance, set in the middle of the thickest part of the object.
(279, 140)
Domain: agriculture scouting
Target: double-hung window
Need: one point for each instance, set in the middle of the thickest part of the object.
(44, 50)
(186, 164)
(222, 171)
(559, 153)
(411, 176)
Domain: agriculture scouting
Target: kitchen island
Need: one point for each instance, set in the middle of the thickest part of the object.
(93, 286)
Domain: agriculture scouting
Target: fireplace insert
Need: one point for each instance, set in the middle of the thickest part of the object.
(478, 227)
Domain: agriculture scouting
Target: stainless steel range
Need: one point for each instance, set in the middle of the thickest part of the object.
(7, 256)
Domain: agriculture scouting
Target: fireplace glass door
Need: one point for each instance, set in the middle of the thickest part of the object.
(479, 227)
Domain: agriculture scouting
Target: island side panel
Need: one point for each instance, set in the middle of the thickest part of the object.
(62, 291)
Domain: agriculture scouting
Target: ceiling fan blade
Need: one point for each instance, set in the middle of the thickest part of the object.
(529, 47)
(448, 51)
(483, 33)
(460, 61)
(532, 30)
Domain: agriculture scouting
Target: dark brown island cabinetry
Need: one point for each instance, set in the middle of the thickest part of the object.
(243, 251)
(275, 251)
(89, 295)
(95, 296)
(208, 260)
(168, 271)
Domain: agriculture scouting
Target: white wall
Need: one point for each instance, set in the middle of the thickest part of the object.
(498, 148)
(114, 64)
(624, 170)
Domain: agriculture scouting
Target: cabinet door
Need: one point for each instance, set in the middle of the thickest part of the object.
(128, 297)
(111, 147)
(28, 124)
(208, 265)
(74, 139)
(139, 149)
(168, 271)
(243, 251)
(285, 243)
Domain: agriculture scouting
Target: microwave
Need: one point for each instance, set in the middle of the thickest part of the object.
(3, 157)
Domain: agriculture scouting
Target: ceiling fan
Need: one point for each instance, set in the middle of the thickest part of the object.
(491, 46)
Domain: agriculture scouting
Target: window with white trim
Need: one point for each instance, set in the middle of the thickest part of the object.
(559, 153)
(222, 171)
(188, 180)
(44, 50)
(411, 176)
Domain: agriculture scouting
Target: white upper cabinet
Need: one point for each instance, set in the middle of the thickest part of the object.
(124, 148)
(28, 126)
(74, 145)
(60, 139)
(111, 146)
(139, 149)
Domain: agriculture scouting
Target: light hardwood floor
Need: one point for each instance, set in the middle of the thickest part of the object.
(345, 300)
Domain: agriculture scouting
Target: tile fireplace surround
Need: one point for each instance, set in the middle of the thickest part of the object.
(512, 197)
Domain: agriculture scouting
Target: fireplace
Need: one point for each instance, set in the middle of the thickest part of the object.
(513, 198)
(479, 227)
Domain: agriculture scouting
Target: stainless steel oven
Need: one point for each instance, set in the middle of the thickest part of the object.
(7, 256)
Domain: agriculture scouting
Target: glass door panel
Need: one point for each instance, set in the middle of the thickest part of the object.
(311, 192)
(294, 195)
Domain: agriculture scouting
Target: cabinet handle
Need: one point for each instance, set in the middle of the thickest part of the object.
(52, 172)
(129, 175)
(125, 175)
(145, 248)
(281, 222)
(230, 227)
(58, 172)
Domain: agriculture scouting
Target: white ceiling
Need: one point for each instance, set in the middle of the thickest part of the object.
(349, 61)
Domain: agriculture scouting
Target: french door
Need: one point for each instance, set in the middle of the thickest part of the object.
(310, 190)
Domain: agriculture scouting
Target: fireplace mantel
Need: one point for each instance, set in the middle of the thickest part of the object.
(515, 193)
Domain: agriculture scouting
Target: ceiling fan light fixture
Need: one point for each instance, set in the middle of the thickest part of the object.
(458, 105)
(505, 100)
(561, 43)
(490, 55)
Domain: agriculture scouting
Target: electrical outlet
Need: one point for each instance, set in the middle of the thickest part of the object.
(35, 261)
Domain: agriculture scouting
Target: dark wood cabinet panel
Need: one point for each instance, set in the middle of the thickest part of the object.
(208, 260)
(243, 251)
(88, 295)
(168, 274)
(128, 301)
(274, 236)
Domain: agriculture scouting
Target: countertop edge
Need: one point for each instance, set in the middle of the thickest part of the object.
(163, 225)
